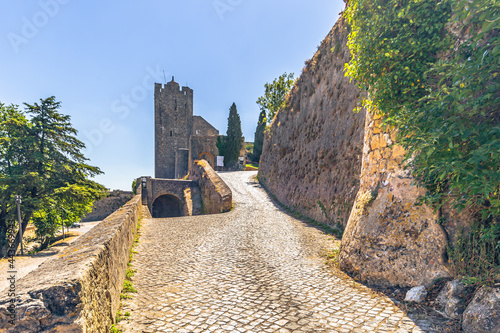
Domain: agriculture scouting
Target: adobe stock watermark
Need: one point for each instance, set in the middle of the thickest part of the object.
(31, 27)
(223, 6)
(122, 107)
(11, 273)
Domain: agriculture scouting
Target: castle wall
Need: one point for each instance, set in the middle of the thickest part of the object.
(216, 195)
(204, 144)
(311, 158)
(173, 129)
(333, 165)
(201, 127)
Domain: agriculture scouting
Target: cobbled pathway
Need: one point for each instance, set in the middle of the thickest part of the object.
(254, 269)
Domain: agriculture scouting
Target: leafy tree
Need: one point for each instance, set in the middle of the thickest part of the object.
(230, 145)
(259, 135)
(42, 162)
(274, 95)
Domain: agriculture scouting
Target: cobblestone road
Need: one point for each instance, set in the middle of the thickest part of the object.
(255, 269)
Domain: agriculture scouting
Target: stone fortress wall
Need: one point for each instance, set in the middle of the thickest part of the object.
(311, 158)
(336, 166)
(390, 240)
(216, 195)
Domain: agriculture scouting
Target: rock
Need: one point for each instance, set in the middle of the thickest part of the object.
(390, 240)
(416, 294)
(450, 299)
(483, 313)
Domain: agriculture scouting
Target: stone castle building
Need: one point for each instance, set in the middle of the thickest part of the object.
(180, 137)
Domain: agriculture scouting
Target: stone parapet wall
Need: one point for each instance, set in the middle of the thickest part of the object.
(79, 290)
(390, 239)
(106, 206)
(216, 195)
(311, 157)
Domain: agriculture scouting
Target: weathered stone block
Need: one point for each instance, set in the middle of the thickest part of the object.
(375, 142)
(416, 294)
(483, 313)
(393, 241)
(450, 298)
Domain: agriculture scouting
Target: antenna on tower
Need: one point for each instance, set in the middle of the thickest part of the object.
(164, 77)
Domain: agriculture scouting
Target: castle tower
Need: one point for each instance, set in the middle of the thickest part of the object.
(173, 130)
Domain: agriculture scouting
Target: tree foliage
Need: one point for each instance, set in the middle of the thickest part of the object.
(274, 95)
(234, 138)
(259, 135)
(431, 68)
(41, 160)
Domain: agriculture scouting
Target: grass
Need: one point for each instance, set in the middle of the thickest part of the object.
(332, 257)
(252, 165)
(128, 287)
(115, 329)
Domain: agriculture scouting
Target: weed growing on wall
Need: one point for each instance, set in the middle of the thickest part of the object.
(128, 287)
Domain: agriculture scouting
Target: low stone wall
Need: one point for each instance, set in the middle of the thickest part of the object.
(216, 195)
(106, 206)
(78, 291)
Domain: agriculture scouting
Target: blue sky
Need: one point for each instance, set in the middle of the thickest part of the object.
(100, 59)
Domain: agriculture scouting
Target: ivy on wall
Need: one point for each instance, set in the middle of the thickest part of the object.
(431, 68)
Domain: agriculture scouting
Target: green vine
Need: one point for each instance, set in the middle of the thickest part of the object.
(430, 67)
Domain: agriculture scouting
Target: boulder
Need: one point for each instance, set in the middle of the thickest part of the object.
(483, 313)
(391, 240)
(450, 298)
(416, 294)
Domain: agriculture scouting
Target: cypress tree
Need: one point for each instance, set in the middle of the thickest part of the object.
(234, 139)
(259, 135)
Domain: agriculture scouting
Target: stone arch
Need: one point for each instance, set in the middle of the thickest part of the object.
(210, 159)
(167, 205)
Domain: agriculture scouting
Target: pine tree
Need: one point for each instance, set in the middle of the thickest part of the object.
(42, 161)
(234, 139)
(259, 135)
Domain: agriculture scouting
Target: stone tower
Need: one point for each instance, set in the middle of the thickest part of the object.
(173, 130)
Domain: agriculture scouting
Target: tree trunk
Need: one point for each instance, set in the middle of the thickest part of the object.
(26, 219)
(4, 243)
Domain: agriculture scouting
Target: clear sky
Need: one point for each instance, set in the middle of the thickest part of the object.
(101, 58)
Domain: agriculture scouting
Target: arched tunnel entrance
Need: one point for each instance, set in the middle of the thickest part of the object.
(167, 206)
